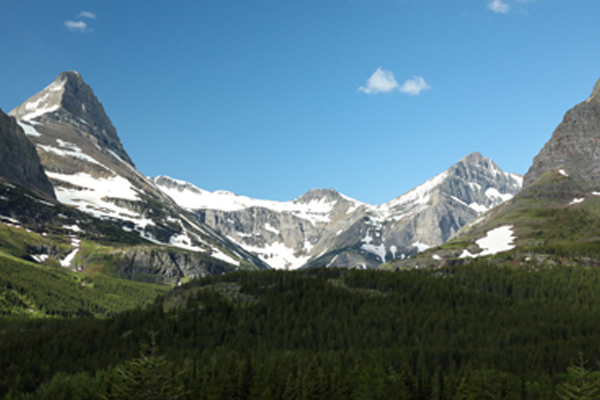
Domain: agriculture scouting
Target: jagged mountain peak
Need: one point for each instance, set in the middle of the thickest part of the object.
(176, 184)
(328, 195)
(69, 100)
(574, 146)
(595, 96)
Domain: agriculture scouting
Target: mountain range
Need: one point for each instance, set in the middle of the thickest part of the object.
(81, 163)
(324, 227)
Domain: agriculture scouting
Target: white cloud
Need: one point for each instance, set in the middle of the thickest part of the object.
(87, 14)
(498, 6)
(414, 86)
(76, 26)
(381, 81)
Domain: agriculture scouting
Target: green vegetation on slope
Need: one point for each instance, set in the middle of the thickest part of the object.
(27, 288)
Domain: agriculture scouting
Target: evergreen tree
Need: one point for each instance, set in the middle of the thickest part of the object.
(580, 384)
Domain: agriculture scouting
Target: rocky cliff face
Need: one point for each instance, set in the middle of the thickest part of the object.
(19, 161)
(574, 148)
(324, 227)
(70, 101)
(83, 157)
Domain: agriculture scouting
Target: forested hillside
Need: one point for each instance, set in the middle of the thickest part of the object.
(473, 332)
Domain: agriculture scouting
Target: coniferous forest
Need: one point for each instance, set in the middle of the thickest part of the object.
(471, 332)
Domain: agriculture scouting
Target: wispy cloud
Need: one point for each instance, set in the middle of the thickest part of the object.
(383, 81)
(87, 14)
(77, 26)
(498, 6)
(414, 86)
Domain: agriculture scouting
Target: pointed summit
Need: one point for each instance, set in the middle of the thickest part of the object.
(69, 100)
(574, 147)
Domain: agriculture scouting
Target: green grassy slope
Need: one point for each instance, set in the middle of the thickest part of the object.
(31, 289)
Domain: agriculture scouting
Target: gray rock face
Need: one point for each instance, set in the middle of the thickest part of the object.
(574, 146)
(324, 227)
(84, 159)
(19, 161)
(69, 100)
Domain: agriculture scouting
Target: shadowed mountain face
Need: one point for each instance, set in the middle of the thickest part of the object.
(19, 161)
(91, 171)
(324, 227)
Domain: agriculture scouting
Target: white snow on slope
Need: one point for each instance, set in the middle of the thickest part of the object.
(69, 149)
(69, 258)
(497, 240)
(193, 198)
(577, 201)
(411, 202)
(38, 112)
(421, 246)
(28, 129)
(93, 200)
(224, 257)
(494, 195)
(278, 255)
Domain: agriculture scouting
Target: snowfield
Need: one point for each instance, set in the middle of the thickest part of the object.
(497, 240)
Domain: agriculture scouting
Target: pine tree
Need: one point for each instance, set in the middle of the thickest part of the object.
(580, 385)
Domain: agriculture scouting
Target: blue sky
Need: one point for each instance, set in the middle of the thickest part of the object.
(270, 98)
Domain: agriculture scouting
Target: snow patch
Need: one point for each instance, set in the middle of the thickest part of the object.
(70, 150)
(69, 258)
(421, 246)
(278, 255)
(577, 201)
(73, 228)
(466, 254)
(332, 261)
(40, 258)
(480, 209)
(497, 240)
(271, 229)
(379, 251)
(224, 257)
(28, 129)
(494, 195)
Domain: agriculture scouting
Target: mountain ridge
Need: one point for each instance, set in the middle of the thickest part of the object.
(316, 227)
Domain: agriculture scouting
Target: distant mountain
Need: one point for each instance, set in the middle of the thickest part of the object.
(90, 170)
(324, 227)
(554, 219)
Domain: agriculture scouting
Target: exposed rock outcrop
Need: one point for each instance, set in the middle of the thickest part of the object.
(19, 161)
(574, 147)
(69, 100)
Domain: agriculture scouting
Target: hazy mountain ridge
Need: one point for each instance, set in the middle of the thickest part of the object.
(324, 227)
